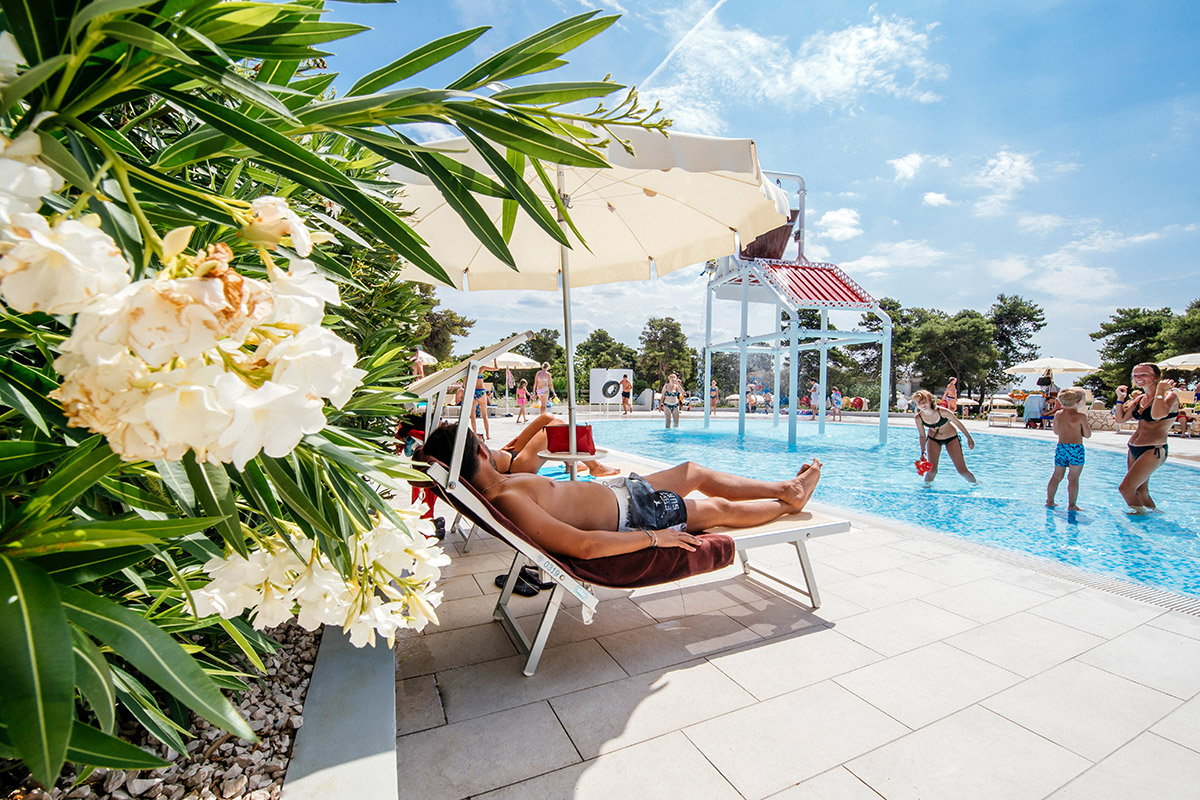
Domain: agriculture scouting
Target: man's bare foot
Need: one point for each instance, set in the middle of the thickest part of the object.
(601, 471)
(799, 490)
(1074, 508)
(1050, 504)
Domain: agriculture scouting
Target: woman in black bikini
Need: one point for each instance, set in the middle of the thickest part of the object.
(1154, 404)
(935, 426)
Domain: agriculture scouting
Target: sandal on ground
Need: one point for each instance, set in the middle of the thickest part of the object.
(523, 587)
(532, 575)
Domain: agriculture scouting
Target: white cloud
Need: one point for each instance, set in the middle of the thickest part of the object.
(1008, 269)
(937, 199)
(1040, 224)
(893, 256)
(1002, 177)
(714, 66)
(1064, 275)
(906, 167)
(839, 225)
(816, 252)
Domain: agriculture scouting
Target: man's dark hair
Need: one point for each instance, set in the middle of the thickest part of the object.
(439, 446)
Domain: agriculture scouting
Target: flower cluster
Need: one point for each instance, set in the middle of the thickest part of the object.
(219, 364)
(390, 587)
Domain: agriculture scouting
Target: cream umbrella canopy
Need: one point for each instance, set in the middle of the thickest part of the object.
(672, 203)
(1055, 365)
(1185, 361)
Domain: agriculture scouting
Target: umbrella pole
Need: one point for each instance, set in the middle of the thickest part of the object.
(565, 273)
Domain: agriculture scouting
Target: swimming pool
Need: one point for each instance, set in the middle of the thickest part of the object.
(1006, 510)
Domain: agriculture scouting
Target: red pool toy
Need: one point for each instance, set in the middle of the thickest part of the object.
(922, 464)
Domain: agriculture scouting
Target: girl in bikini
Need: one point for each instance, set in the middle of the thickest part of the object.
(935, 426)
(522, 399)
(1154, 404)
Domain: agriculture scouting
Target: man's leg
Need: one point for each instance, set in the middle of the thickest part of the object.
(691, 477)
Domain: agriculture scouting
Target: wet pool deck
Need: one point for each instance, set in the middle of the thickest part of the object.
(933, 669)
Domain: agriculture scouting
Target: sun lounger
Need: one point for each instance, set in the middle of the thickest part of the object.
(650, 567)
(1007, 417)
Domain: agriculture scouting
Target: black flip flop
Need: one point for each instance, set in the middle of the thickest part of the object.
(523, 587)
(533, 576)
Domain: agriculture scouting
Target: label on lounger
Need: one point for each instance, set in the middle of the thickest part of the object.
(557, 573)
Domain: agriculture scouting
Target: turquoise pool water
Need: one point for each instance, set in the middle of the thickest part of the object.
(1006, 510)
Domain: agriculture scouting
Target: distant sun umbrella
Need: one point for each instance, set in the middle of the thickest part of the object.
(1055, 365)
(1185, 361)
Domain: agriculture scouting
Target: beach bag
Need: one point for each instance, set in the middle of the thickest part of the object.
(1044, 380)
(558, 439)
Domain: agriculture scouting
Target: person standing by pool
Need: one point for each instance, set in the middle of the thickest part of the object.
(479, 405)
(1072, 428)
(1154, 404)
(522, 399)
(835, 403)
(626, 395)
(672, 391)
(950, 396)
(931, 420)
(713, 396)
(541, 386)
(814, 395)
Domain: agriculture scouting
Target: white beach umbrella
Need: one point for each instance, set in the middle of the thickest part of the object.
(1185, 361)
(426, 359)
(675, 202)
(1055, 365)
(511, 361)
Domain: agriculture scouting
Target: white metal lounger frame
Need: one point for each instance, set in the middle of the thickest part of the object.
(783, 530)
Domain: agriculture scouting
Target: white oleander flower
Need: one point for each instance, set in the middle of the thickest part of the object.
(273, 220)
(191, 408)
(301, 293)
(272, 418)
(379, 617)
(23, 177)
(275, 608)
(323, 596)
(11, 58)
(59, 270)
(319, 362)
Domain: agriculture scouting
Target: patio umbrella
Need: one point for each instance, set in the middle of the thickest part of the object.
(674, 202)
(1055, 365)
(511, 361)
(425, 358)
(1185, 361)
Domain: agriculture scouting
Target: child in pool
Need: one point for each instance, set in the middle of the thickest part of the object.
(1072, 428)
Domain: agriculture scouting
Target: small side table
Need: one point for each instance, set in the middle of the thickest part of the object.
(571, 459)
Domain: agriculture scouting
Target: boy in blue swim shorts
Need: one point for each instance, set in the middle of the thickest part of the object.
(1072, 428)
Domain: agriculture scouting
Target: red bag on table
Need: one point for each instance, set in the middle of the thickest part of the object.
(558, 439)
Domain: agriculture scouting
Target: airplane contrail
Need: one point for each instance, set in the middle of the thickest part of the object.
(679, 44)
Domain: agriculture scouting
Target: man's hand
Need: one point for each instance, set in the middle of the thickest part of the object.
(674, 538)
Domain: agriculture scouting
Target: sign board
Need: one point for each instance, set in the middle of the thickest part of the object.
(598, 378)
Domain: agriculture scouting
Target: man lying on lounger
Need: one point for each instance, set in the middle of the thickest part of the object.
(592, 519)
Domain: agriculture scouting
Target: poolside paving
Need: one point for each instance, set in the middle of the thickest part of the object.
(933, 669)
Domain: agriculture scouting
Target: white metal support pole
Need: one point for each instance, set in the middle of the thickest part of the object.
(885, 381)
(742, 354)
(794, 380)
(778, 360)
(704, 387)
(824, 368)
(564, 264)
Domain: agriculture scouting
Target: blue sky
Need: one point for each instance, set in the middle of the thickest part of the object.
(952, 150)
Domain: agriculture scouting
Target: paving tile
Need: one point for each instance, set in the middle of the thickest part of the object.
(1083, 708)
(957, 568)
(861, 537)
(612, 616)
(494, 685)
(1097, 612)
(885, 588)
(834, 607)
(838, 783)
(1148, 767)
(776, 616)
(904, 626)
(1039, 582)
(1025, 643)
(467, 758)
(1182, 726)
(675, 641)
(986, 600)
(666, 768)
(458, 587)
(476, 562)
(973, 754)
(778, 666)
(418, 705)
(1176, 622)
(615, 715)
(469, 611)
(447, 649)
(1153, 657)
(871, 560)
(925, 548)
(926, 684)
(769, 746)
(672, 603)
